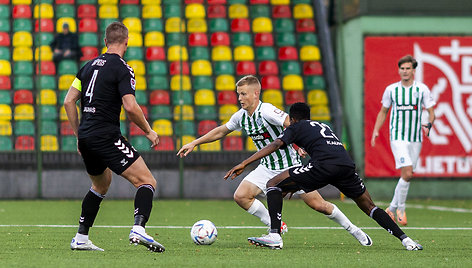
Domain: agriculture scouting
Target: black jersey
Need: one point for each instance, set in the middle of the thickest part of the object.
(104, 81)
(319, 141)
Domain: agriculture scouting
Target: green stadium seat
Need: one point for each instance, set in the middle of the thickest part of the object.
(64, 11)
(69, 144)
(305, 39)
(67, 67)
(5, 53)
(134, 53)
(61, 96)
(224, 67)
(315, 82)
(5, 97)
(230, 2)
(88, 40)
(182, 96)
(6, 143)
(184, 127)
(130, 11)
(5, 12)
(202, 82)
(141, 97)
(174, 39)
(284, 25)
(86, 2)
(22, 25)
(24, 127)
(23, 68)
(206, 113)
(290, 67)
(22, 82)
(301, 2)
(172, 10)
(265, 53)
(160, 112)
(4, 25)
(48, 112)
(241, 39)
(151, 25)
(157, 82)
(156, 68)
(218, 25)
(285, 39)
(104, 23)
(140, 143)
(123, 128)
(256, 11)
(45, 82)
(43, 39)
(48, 127)
(199, 53)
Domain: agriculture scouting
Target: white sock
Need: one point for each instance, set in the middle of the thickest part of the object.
(394, 204)
(339, 217)
(81, 238)
(259, 210)
(403, 187)
(138, 229)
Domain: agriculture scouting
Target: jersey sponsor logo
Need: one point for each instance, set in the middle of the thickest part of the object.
(89, 109)
(302, 169)
(260, 137)
(99, 62)
(407, 107)
(133, 83)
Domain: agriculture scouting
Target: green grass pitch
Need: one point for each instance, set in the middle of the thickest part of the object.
(28, 239)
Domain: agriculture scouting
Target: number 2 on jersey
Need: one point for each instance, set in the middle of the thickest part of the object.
(91, 86)
(323, 127)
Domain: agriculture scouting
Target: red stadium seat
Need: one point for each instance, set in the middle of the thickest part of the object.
(216, 2)
(281, 11)
(270, 82)
(233, 143)
(88, 25)
(165, 144)
(305, 25)
(193, 1)
(177, 67)
(66, 129)
(216, 11)
(24, 143)
(47, 68)
(240, 25)
(312, 68)
(21, 12)
(47, 25)
(227, 97)
(205, 126)
(258, 2)
(4, 39)
(134, 130)
(245, 68)
(23, 96)
(155, 53)
(5, 82)
(86, 11)
(59, 2)
(293, 96)
(89, 53)
(159, 97)
(129, 2)
(268, 67)
(264, 40)
(198, 39)
(220, 39)
(288, 53)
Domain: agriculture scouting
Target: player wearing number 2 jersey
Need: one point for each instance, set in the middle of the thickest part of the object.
(103, 85)
(263, 122)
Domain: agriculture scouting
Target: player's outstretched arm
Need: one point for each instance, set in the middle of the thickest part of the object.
(270, 148)
(214, 134)
(136, 115)
(381, 116)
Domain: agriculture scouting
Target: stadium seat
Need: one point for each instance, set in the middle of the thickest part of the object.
(201, 67)
(47, 11)
(152, 24)
(288, 53)
(290, 67)
(5, 11)
(86, 2)
(227, 97)
(312, 68)
(175, 25)
(240, 25)
(69, 144)
(23, 82)
(274, 97)
(305, 25)
(48, 82)
(214, 146)
(317, 97)
(155, 53)
(187, 112)
(142, 144)
(265, 53)
(177, 53)
(4, 39)
(45, 68)
(68, 67)
(292, 82)
(241, 39)
(43, 39)
(63, 114)
(158, 82)
(184, 128)
(262, 25)
(205, 126)
(315, 82)
(307, 39)
(243, 53)
(199, 53)
(225, 82)
(177, 67)
(236, 11)
(89, 53)
(172, 10)
(175, 39)
(5, 53)
(22, 38)
(5, 97)
(5, 68)
(270, 82)
(5, 24)
(21, 112)
(219, 39)
(180, 82)
(134, 53)
(285, 39)
(152, 12)
(320, 113)
(302, 11)
(70, 21)
(65, 81)
(182, 98)
(5, 112)
(202, 82)
(259, 2)
(310, 53)
(257, 11)
(135, 39)
(44, 25)
(204, 97)
(24, 143)
(186, 139)
(221, 53)
(87, 11)
(130, 11)
(47, 97)
(16, 2)
(197, 39)
(104, 24)
(218, 25)
(263, 39)
(233, 144)
(223, 67)
(60, 99)
(26, 128)
(281, 11)
(107, 2)
(43, 53)
(5, 82)
(133, 24)
(163, 127)
(268, 68)
(141, 97)
(108, 12)
(6, 143)
(88, 25)
(194, 11)
(156, 68)
(245, 68)
(216, 11)
(65, 129)
(5, 128)
(134, 130)
(165, 144)
(138, 67)
(48, 112)
(283, 25)
(293, 96)
(161, 112)
(250, 145)
(21, 12)
(206, 113)
(64, 10)
(49, 143)
(22, 54)
(226, 111)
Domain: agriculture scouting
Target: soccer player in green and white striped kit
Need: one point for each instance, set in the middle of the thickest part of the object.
(407, 99)
(263, 122)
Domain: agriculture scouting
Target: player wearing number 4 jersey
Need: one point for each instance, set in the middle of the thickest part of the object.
(103, 85)
(329, 164)
(263, 122)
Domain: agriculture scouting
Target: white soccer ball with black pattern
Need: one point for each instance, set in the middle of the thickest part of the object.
(203, 232)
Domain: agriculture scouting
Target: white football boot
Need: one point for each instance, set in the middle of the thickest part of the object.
(363, 238)
(76, 245)
(138, 237)
(411, 245)
(271, 240)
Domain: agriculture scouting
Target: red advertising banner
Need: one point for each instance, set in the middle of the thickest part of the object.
(445, 66)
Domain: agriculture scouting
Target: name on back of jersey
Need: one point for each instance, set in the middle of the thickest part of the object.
(334, 143)
(260, 136)
(89, 110)
(99, 62)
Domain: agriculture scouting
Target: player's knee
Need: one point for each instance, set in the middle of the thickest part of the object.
(241, 197)
(322, 207)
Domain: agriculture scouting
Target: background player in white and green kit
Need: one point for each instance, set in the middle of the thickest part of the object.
(263, 122)
(407, 99)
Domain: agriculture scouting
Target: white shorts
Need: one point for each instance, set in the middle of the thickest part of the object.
(261, 175)
(405, 153)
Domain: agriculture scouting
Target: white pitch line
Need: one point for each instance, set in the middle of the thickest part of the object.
(437, 208)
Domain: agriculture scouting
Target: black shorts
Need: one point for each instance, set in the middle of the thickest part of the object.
(114, 152)
(314, 176)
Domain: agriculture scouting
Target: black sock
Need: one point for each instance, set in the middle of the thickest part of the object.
(143, 204)
(274, 203)
(382, 218)
(90, 207)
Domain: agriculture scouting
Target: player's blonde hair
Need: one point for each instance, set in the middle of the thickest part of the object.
(116, 33)
(249, 80)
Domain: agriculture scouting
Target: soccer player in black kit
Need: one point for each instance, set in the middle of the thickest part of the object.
(329, 164)
(103, 85)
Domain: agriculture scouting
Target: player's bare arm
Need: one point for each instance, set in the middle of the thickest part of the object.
(214, 134)
(267, 150)
(300, 151)
(136, 115)
(381, 116)
(73, 95)
(431, 118)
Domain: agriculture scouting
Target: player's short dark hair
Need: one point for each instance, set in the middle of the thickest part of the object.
(300, 111)
(116, 32)
(408, 58)
(248, 80)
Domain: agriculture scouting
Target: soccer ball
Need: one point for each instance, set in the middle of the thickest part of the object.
(203, 232)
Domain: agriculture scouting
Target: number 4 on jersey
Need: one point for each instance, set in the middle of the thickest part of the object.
(91, 86)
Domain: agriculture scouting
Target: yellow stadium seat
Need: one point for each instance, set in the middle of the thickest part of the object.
(5, 112)
(226, 111)
(133, 24)
(22, 39)
(5, 128)
(205, 97)
(225, 82)
(197, 26)
(107, 2)
(180, 81)
(237, 11)
(310, 53)
(250, 145)
(262, 25)
(149, 2)
(292, 82)
(214, 146)
(63, 114)
(122, 114)
(187, 112)
(320, 113)
(21, 2)
(280, 2)
(177, 53)
(186, 139)
(201, 67)
(65, 81)
(153, 11)
(221, 53)
(135, 39)
(163, 127)
(317, 97)
(138, 67)
(24, 112)
(154, 39)
(22, 54)
(302, 11)
(175, 25)
(141, 82)
(108, 12)
(195, 11)
(47, 11)
(70, 21)
(274, 97)
(43, 53)
(243, 53)
(5, 67)
(49, 143)
(47, 97)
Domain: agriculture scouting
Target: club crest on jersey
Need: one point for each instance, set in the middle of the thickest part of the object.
(259, 121)
(133, 83)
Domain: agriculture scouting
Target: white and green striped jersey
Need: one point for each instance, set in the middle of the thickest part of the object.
(407, 107)
(264, 126)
